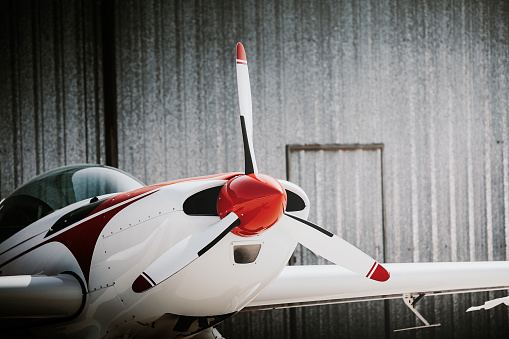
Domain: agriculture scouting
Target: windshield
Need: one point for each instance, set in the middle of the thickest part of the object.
(56, 189)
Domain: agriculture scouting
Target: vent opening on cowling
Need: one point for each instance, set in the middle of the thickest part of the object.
(203, 202)
(246, 254)
(294, 202)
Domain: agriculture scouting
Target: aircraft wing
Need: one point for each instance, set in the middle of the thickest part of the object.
(40, 296)
(327, 284)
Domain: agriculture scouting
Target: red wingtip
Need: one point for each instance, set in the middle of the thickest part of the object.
(380, 274)
(241, 53)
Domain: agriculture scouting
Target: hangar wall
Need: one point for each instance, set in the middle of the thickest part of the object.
(428, 80)
(51, 88)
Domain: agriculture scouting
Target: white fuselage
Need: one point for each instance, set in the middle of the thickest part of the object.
(139, 227)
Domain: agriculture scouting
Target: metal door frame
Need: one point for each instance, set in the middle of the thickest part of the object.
(346, 147)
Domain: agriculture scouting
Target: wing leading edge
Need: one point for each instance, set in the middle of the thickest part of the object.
(40, 296)
(328, 284)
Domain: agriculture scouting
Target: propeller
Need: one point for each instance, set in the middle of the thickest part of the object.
(335, 249)
(250, 204)
(312, 236)
(183, 253)
(246, 111)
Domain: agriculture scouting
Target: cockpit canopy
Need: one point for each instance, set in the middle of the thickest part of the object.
(56, 189)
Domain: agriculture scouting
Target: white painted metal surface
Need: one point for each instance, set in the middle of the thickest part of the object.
(186, 251)
(40, 296)
(333, 248)
(300, 284)
(246, 110)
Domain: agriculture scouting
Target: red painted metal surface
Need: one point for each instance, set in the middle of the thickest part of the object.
(258, 200)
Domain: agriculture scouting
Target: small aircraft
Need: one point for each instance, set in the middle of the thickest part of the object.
(87, 251)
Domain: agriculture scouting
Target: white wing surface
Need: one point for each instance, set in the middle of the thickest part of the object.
(327, 284)
(40, 296)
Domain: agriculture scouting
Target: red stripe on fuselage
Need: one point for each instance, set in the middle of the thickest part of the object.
(224, 176)
(81, 239)
(117, 199)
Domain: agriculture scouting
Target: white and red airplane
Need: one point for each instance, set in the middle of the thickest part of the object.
(87, 251)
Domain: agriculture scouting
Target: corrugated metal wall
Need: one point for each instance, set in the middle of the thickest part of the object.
(427, 79)
(344, 185)
(51, 88)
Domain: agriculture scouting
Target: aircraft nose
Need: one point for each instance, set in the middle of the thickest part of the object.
(257, 199)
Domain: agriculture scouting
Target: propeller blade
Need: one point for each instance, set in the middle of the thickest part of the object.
(246, 112)
(335, 249)
(184, 253)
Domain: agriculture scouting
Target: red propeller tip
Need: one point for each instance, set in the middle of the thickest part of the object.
(241, 53)
(141, 284)
(379, 274)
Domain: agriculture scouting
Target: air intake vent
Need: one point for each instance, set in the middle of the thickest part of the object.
(203, 202)
(294, 203)
(246, 254)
